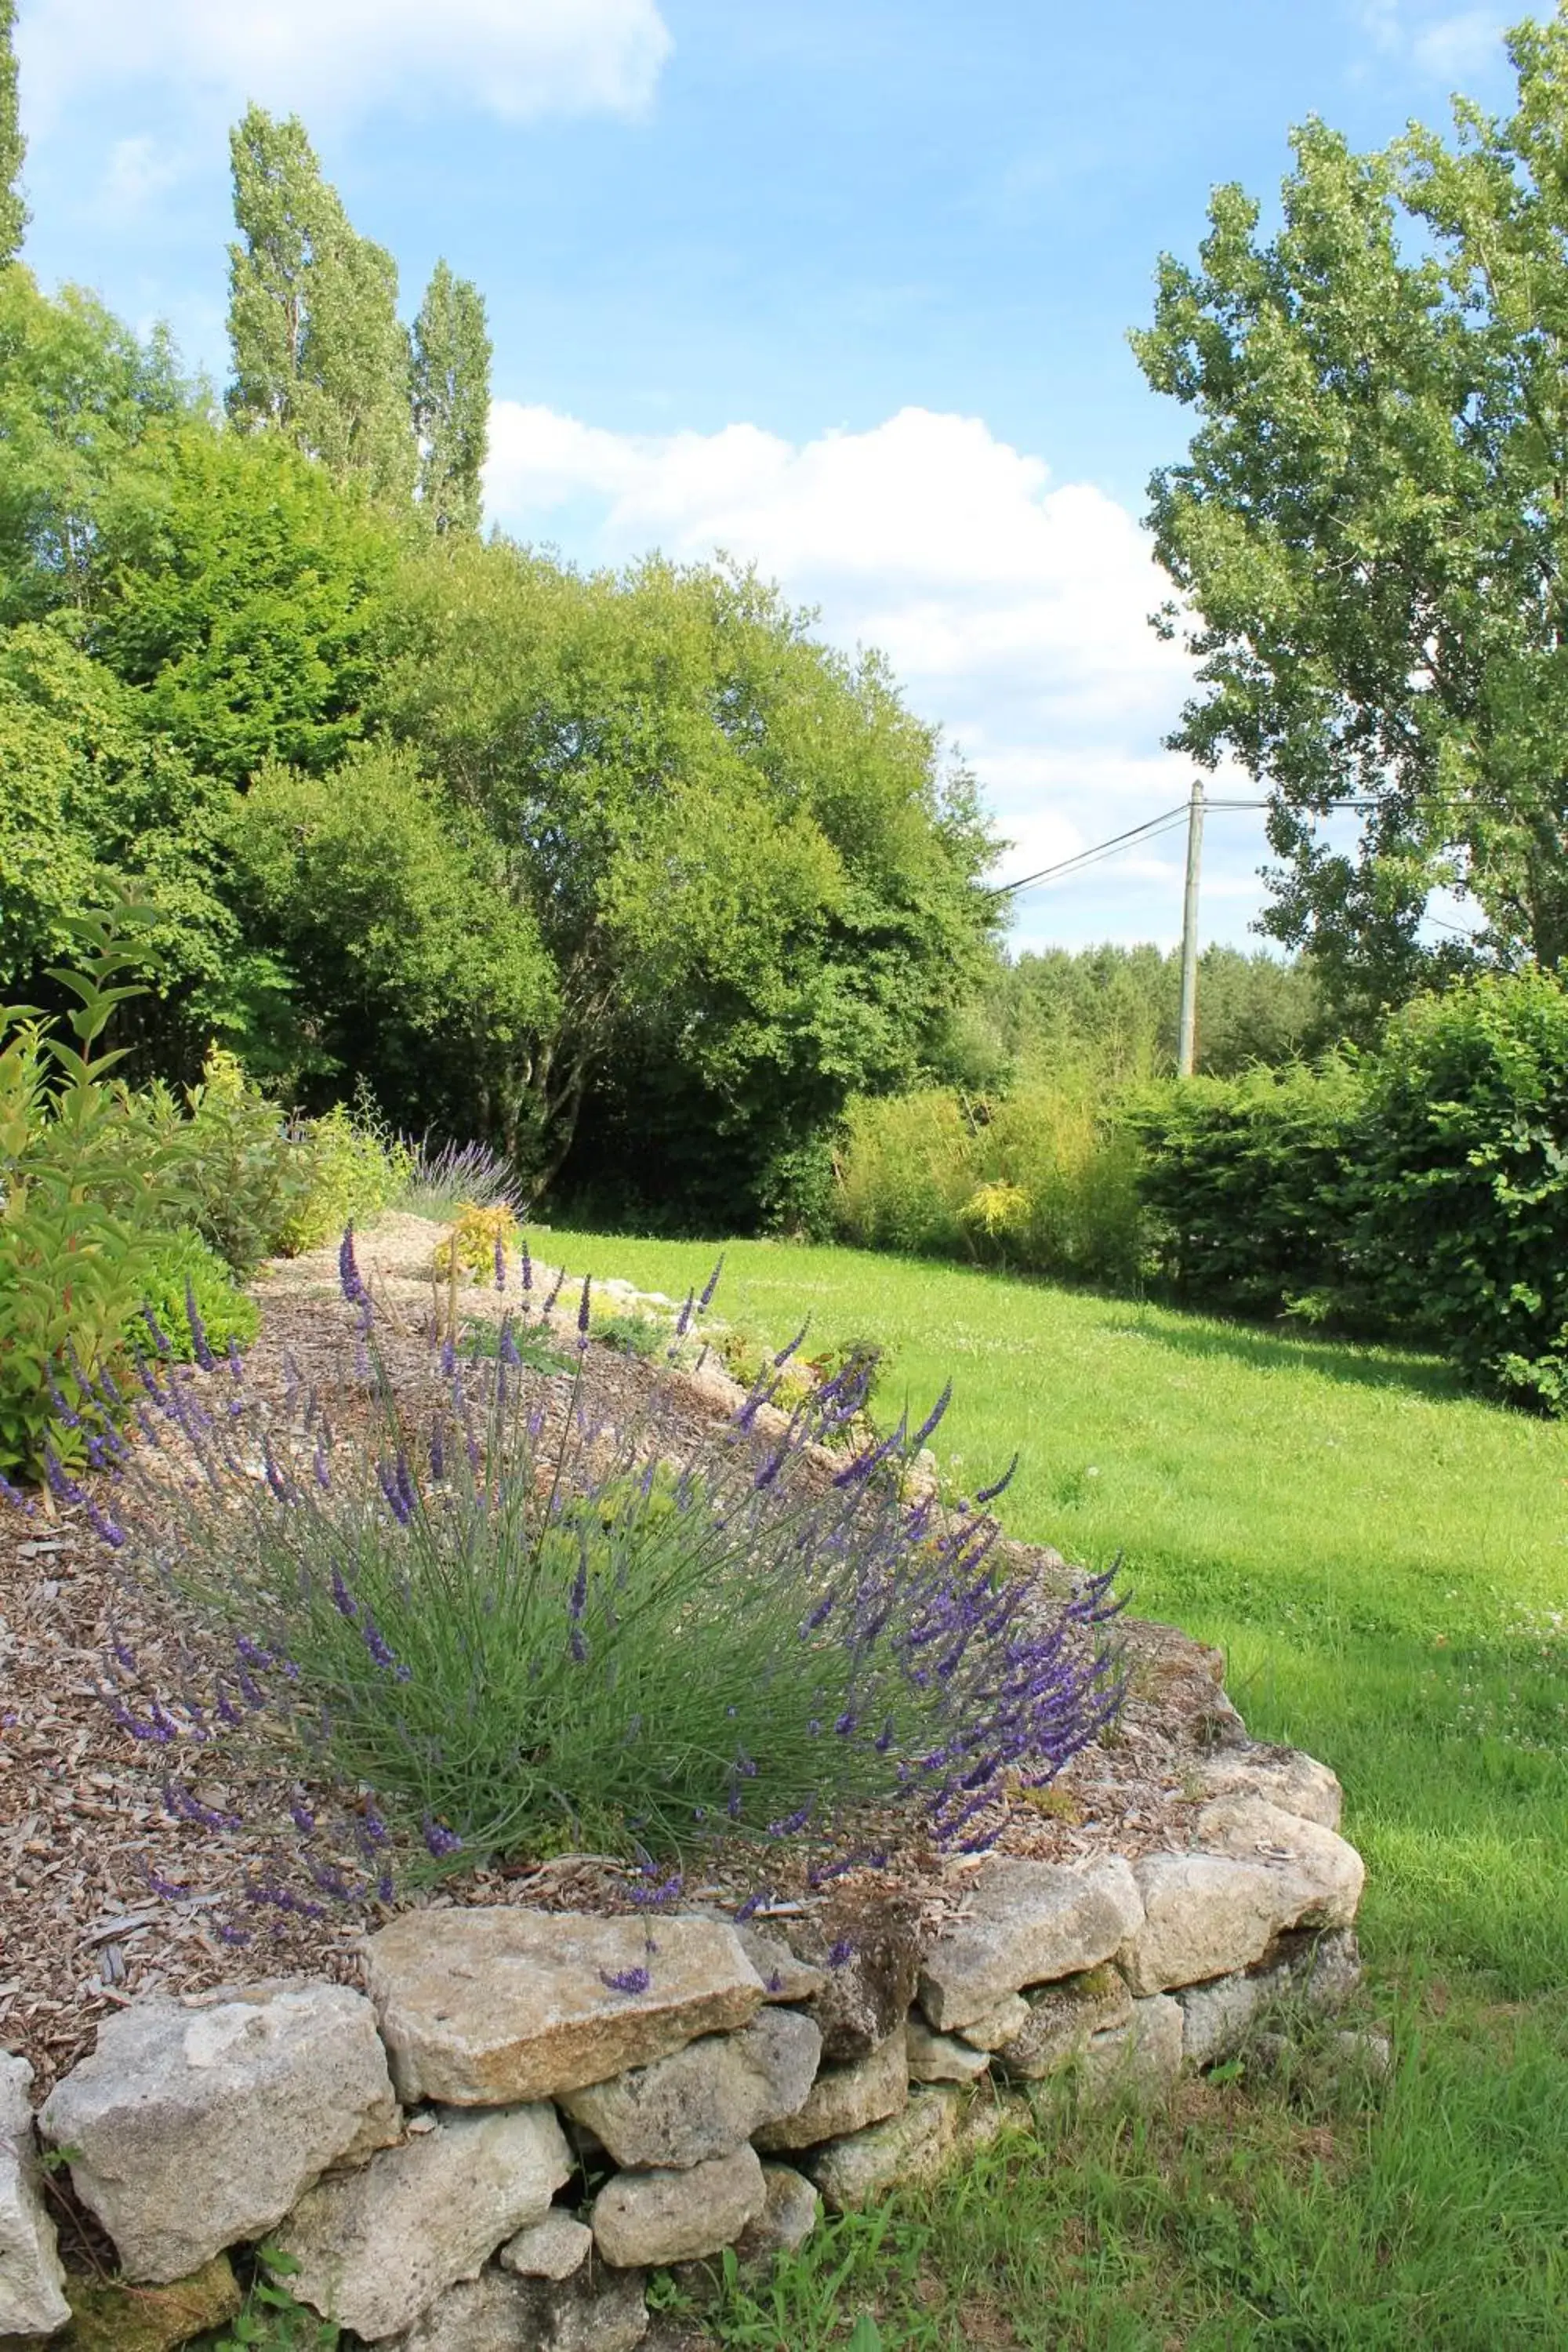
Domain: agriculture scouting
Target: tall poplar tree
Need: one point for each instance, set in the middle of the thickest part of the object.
(318, 351)
(451, 399)
(13, 146)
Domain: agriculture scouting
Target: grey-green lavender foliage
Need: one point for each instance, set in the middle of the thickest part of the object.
(319, 351)
(13, 146)
(451, 399)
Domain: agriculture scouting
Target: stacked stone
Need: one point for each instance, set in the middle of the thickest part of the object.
(404, 2148)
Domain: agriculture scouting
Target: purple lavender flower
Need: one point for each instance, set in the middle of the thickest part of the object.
(556, 1290)
(583, 1306)
(440, 1841)
(229, 1934)
(235, 1360)
(14, 1496)
(63, 1407)
(630, 1981)
(840, 1954)
(526, 1263)
(343, 1599)
(375, 1641)
(507, 1348)
(397, 1502)
(323, 1473)
(353, 1289)
(705, 1298)
(166, 1887)
(752, 1905)
(61, 1486)
(303, 1818)
(932, 1421)
(159, 1338)
(989, 1493)
(501, 1264)
(106, 1529)
(791, 1823)
(683, 1320)
(199, 1348)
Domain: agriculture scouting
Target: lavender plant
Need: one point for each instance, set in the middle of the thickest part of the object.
(442, 1178)
(516, 1622)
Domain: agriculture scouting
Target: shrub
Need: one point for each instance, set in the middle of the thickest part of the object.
(1065, 1148)
(184, 1271)
(88, 1186)
(1461, 1180)
(480, 1241)
(356, 1168)
(908, 1165)
(1246, 1182)
(248, 1170)
(521, 1626)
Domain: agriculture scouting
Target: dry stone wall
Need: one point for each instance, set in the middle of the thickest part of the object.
(524, 2112)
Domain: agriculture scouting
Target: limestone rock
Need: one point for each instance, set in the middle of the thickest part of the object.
(784, 1975)
(1320, 1971)
(1208, 1915)
(999, 2025)
(1330, 1872)
(705, 2099)
(674, 2217)
(914, 2146)
(1142, 2058)
(497, 2311)
(1030, 1923)
(786, 2220)
(106, 2317)
(1373, 2052)
(941, 2057)
(374, 2248)
(488, 2006)
(845, 2099)
(1061, 2020)
(551, 2249)
(195, 2124)
(32, 2282)
(1297, 1783)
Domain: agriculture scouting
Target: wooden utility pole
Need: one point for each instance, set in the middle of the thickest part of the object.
(1186, 1045)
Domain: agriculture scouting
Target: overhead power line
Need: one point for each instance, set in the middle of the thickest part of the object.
(1150, 831)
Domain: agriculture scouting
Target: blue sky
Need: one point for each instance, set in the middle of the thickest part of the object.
(840, 286)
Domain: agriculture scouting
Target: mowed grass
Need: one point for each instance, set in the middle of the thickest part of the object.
(1384, 1561)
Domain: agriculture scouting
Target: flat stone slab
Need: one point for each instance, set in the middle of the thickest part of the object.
(374, 2248)
(845, 2099)
(32, 2281)
(196, 2124)
(914, 2146)
(941, 2057)
(704, 2100)
(1257, 1871)
(492, 2006)
(1297, 1783)
(500, 2312)
(642, 2218)
(1029, 1923)
(998, 2025)
(1253, 1829)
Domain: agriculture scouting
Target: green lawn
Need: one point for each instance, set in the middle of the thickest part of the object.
(1385, 1563)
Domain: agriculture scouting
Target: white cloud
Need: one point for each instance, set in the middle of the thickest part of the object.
(516, 58)
(1459, 46)
(1013, 610)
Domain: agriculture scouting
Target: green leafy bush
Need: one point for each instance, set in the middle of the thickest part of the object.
(225, 1311)
(249, 1172)
(88, 1189)
(355, 1170)
(1045, 1179)
(1461, 1180)
(1245, 1182)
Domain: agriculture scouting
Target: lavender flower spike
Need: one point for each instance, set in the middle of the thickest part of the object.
(705, 1298)
(583, 1306)
(353, 1289)
(501, 1264)
(199, 1348)
(989, 1493)
(629, 1981)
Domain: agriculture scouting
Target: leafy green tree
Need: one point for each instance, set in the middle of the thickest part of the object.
(317, 349)
(410, 967)
(1371, 524)
(243, 591)
(451, 399)
(756, 885)
(77, 395)
(13, 146)
(93, 805)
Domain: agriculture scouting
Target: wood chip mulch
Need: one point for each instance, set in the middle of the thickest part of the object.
(106, 1896)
